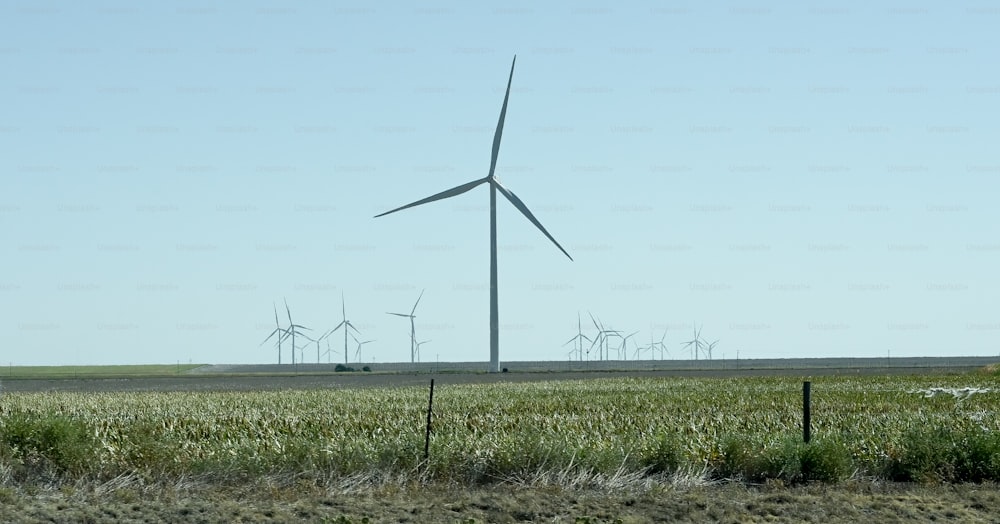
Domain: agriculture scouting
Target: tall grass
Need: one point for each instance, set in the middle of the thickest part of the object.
(745, 429)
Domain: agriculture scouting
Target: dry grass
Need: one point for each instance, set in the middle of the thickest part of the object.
(129, 500)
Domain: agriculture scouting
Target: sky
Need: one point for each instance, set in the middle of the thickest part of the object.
(798, 179)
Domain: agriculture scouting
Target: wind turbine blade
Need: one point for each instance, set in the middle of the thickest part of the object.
(592, 319)
(458, 190)
(289, 311)
(417, 302)
(571, 340)
(524, 211)
(336, 328)
(398, 314)
(271, 335)
(503, 116)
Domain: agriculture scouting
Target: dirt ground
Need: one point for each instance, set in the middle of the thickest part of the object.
(736, 503)
(265, 382)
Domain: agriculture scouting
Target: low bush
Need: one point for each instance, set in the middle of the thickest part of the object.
(825, 460)
(46, 444)
(924, 455)
(666, 455)
(787, 459)
(978, 457)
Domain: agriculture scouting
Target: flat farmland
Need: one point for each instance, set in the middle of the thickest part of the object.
(900, 443)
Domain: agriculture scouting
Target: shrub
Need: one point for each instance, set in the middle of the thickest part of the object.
(978, 458)
(666, 455)
(926, 456)
(52, 441)
(789, 459)
(825, 460)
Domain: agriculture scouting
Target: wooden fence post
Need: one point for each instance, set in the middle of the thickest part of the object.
(805, 411)
(427, 436)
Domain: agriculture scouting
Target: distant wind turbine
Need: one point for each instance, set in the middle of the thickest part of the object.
(710, 348)
(413, 328)
(293, 329)
(623, 349)
(517, 203)
(578, 339)
(601, 339)
(317, 341)
(357, 355)
(696, 344)
(662, 347)
(329, 351)
(653, 346)
(346, 324)
(281, 333)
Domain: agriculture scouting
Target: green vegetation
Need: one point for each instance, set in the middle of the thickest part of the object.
(44, 372)
(341, 368)
(898, 428)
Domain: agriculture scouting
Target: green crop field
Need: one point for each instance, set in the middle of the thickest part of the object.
(934, 428)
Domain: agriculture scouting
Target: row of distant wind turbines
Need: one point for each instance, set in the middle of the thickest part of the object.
(280, 335)
(697, 346)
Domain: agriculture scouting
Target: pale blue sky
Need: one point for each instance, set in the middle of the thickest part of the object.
(803, 179)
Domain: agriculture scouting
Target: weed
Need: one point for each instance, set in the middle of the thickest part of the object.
(666, 455)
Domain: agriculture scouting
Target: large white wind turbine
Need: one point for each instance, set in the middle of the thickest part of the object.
(413, 328)
(494, 187)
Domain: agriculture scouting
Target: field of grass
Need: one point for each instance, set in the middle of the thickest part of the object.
(559, 432)
(116, 371)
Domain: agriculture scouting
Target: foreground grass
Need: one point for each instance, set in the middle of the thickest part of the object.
(126, 500)
(116, 371)
(593, 434)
